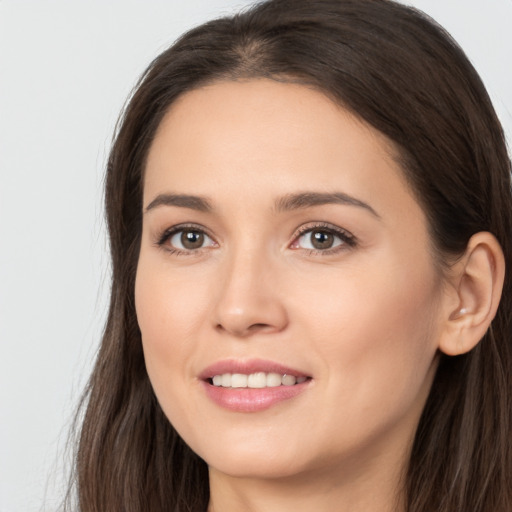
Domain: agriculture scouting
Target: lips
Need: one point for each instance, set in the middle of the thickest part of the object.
(251, 386)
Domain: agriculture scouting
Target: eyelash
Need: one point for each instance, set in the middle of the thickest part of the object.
(347, 239)
(169, 233)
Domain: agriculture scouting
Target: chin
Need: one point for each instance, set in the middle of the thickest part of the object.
(248, 468)
(251, 460)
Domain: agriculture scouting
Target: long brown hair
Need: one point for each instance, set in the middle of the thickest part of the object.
(400, 72)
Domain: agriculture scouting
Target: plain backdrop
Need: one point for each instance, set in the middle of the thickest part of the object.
(66, 68)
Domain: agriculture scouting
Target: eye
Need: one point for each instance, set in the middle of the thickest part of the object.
(318, 239)
(323, 239)
(185, 239)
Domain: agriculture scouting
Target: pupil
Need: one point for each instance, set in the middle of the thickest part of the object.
(192, 239)
(322, 240)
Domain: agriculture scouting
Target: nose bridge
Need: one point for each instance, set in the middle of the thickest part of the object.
(248, 300)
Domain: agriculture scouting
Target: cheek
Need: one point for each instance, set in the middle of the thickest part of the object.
(381, 299)
(167, 303)
(167, 314)
(376, 332)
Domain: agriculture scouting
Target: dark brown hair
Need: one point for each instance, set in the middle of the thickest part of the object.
(403, 74)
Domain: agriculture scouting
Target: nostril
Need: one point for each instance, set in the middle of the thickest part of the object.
(258, 327)
(243, 331)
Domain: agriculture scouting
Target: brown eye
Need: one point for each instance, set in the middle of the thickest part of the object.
(192, 239)
(189, 240)
(321, 239)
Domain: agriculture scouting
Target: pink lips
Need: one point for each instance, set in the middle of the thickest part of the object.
(250, 399)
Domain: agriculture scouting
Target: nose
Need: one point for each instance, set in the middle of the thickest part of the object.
(249, 299)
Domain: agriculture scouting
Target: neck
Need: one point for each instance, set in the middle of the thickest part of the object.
(362, 490)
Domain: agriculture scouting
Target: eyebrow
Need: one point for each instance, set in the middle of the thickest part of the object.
(308, 199)
(288, 202)
(181, 200)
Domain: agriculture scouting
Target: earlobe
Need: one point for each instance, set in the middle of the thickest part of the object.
(477, 282)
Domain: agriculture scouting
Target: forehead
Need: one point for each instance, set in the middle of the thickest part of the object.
(260, 135)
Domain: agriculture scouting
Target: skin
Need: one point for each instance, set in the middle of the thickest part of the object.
(364, 320)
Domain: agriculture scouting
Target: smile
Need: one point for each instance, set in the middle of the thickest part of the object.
(252, 385)
(256, 380)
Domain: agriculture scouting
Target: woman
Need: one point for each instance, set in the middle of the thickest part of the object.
(309, 207)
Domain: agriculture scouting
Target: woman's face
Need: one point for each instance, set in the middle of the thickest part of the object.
(289, 304)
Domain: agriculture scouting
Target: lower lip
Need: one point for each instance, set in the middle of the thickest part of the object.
(252, 399)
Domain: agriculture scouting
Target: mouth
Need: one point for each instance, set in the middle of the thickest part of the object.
(251, 386)
(257, 380)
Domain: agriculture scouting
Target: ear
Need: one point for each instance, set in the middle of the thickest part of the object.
(474, 293)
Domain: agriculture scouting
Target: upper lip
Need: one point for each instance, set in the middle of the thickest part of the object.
(247, 367)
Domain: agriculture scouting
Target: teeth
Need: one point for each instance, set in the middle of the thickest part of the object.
(256, 380)
(274, 380)
(238, 380)
(288, 380)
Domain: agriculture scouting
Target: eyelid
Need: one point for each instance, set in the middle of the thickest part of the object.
(348, 239)
(168, 233)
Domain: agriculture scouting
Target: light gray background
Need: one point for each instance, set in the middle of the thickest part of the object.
(66, 68)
